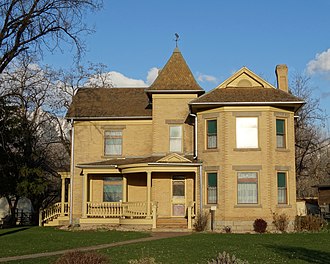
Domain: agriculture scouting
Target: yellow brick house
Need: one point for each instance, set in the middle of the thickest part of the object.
(157, 156)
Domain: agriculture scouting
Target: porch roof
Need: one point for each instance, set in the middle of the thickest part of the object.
(152, 160)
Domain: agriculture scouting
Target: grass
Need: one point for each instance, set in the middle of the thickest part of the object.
(29, 240)
(256, 248)
(195, 248)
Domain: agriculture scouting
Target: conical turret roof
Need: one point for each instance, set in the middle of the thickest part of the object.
(175, 76)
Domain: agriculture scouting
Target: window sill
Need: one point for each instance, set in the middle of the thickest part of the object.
(247, 149)
(209, 205)
(248, 206)
(111, 157)
(284, 206)
(211, 150)
(282, 150)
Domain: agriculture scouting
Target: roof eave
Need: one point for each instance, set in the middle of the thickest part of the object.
(108, 117)
(296, 104)
(175, 91)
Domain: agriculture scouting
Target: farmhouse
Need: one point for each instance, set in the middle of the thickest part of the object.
(159, 155)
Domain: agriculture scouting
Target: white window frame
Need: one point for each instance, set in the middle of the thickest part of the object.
(251, 194)
(247, 135)
(113, 135)
(174, 140)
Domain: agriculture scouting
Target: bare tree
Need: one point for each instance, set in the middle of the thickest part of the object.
(312, 142)
(27, 26)
(31, 147)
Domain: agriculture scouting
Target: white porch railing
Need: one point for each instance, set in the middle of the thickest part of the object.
(190, 214)
(53, 212)
(117, 209)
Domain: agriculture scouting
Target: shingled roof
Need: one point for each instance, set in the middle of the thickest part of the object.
(249, 94)
(175, 76)
(108, 103)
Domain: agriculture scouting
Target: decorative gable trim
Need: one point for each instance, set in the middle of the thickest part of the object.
(245, 78)
(173, 158)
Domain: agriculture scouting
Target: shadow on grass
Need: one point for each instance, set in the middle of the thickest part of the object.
(308, 255)
(14, 230)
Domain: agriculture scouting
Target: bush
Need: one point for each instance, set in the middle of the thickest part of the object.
(201, 221)
(78, 257)
(260, 225)
(146, 260)
(309, 223)
(281, 222)
(225, 258)
(227, 229)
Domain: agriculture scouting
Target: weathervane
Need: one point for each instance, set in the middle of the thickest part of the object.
(176, 39)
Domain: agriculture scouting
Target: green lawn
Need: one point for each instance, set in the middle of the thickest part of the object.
(256, 248)
(29, 240)
(195, 248)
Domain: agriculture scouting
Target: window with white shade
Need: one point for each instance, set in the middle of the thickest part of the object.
(212, 184)
(247, 187)
(113, 142)
(281, 188)
(211, 134)
(280, 133)
(247, 132)
(175, 138)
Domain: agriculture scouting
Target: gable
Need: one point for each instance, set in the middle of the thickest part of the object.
(245, 78)
(174, 158)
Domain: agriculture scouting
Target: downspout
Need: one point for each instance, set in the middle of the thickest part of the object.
(72, 172)
(200, 166)
(195, 135)
(201, 189)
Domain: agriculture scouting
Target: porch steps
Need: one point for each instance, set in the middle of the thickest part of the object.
(172, 223)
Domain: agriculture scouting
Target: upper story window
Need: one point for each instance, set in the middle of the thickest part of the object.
(176, 138)
(247, 132)
(247, 187)
(113, 143)
(211, 134)
(280, 133)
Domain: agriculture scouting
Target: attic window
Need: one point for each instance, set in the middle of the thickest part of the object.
(244, 83)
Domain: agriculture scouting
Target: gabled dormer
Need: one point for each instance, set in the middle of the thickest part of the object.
(246, 88)
(245, 78)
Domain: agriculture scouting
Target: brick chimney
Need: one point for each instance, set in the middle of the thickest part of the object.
(282, 77)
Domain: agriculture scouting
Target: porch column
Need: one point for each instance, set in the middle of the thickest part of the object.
(62, 195)
(124, 189)
(148, 193)
(84, 196)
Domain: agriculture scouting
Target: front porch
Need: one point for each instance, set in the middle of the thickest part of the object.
(154, 194)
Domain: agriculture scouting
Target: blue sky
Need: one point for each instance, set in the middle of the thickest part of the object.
(217, 38)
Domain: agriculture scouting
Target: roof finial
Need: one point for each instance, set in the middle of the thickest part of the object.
(176, 39)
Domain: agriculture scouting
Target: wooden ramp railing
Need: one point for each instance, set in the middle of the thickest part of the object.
(53, 212)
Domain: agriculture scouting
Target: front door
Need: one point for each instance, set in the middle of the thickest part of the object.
(178, 196)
